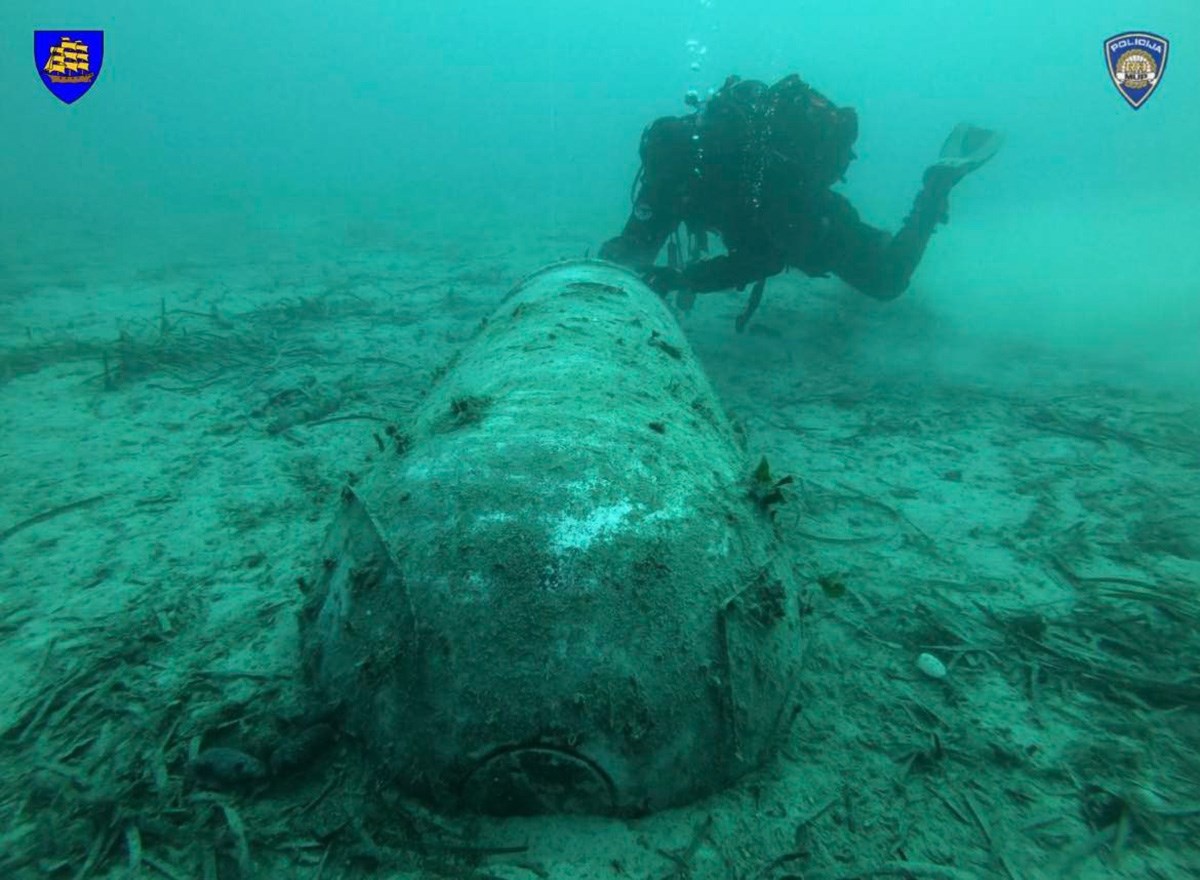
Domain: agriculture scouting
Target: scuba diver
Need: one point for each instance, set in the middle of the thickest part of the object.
(755, 164)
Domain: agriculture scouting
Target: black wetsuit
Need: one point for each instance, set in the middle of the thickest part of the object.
(728, 177)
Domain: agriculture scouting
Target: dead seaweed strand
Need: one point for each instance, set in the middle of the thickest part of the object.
(347, 418)
(52, 513)
(900, 869)
(985, 828)
(896, 514)
(1097, 431)
(241, 846)
(1138, 589)
(80, 699)
(329, 786)
(102, 844)
(321, 865)
(165, 868)
(683, 858)
(133, 844)
(41, 704)
(949, 804)
(837, 539)
(1108, 672)
(798, 835)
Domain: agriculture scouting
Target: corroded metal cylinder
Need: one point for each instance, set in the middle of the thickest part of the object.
(558, 593)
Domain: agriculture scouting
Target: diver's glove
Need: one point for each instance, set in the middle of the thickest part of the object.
(618, 250)
(967, 148)
(663, 279)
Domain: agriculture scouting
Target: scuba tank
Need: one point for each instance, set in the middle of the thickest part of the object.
(787, 134)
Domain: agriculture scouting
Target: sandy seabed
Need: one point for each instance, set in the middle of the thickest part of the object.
(173, 438)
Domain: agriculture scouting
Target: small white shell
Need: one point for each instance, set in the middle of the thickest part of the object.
(931, 666)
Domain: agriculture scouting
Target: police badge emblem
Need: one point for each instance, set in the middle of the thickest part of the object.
(1136, 61)
(68, 61)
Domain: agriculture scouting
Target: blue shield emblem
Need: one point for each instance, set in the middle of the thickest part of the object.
(68, 61)
(1136, 61)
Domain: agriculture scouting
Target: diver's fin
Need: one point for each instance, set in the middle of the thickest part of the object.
(969, 146)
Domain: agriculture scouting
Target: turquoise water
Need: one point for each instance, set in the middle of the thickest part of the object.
(534, 111)
(266, 229)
